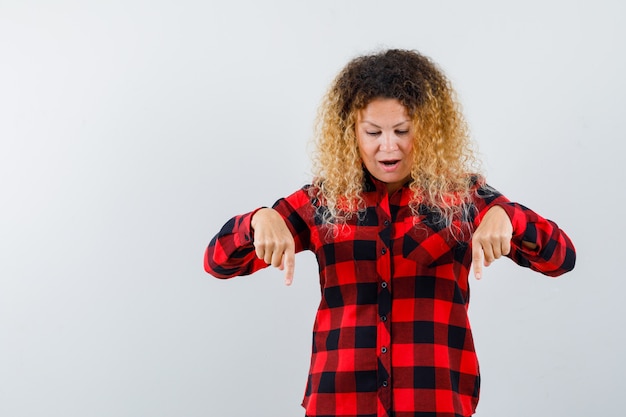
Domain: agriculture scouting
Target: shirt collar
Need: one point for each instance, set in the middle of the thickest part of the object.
(373, 184)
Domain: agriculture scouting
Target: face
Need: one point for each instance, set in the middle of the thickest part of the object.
(384, 134)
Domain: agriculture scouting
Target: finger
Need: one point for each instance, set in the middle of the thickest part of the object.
(501, 248)
(477, 260)
(506, 247)
(268, 253)
(259, 250)
(488, 254)
(277, 256)
(289, 263)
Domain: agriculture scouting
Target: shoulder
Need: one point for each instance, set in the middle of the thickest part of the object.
(300, 200)
(483, 194)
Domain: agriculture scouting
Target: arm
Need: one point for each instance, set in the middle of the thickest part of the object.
(254, 240)
(510, 229)
(231, 252)
(538, 243)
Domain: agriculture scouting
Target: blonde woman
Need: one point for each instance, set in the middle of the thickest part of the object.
(396, 216)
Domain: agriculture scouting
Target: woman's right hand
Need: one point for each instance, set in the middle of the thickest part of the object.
(273, 241)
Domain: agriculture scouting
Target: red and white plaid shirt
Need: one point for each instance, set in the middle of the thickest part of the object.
(392, 335)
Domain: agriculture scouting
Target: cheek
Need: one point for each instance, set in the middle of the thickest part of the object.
(367, 159)
(365, 151)
(408, 148)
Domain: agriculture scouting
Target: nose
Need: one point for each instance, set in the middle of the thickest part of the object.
(388, 142)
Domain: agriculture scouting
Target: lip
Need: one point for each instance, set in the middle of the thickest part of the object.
(385, 166)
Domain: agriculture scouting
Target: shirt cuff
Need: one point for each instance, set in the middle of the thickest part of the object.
(245, 233)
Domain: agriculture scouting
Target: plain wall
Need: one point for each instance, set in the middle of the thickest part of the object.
(130, 131)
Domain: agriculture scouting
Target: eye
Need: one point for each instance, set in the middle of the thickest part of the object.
(402, 132)
(372, 133)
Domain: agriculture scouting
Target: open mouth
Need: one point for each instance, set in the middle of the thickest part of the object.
(390, 163)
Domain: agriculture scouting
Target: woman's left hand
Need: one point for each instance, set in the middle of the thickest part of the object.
(491, 239)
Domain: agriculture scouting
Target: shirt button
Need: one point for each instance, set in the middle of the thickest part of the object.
(383, 318)
(384, 285)
(384, 251)
(384, 350)
(386, 223)
(385, 383)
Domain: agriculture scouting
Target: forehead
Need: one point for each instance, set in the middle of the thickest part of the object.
(383, 109)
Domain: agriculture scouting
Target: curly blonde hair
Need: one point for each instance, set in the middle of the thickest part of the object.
(444, 161)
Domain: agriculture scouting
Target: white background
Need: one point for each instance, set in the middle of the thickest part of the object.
(130, 131)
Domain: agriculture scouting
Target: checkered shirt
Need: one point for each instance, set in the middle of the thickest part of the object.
(391, 336)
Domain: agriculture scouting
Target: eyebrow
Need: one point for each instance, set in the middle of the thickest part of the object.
(393, 127)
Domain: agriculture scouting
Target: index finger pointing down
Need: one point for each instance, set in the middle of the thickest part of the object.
(477, 260)
(289, 262)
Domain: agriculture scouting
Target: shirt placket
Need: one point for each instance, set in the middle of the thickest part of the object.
(383, 343)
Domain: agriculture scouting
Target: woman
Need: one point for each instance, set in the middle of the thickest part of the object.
(396, 216)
